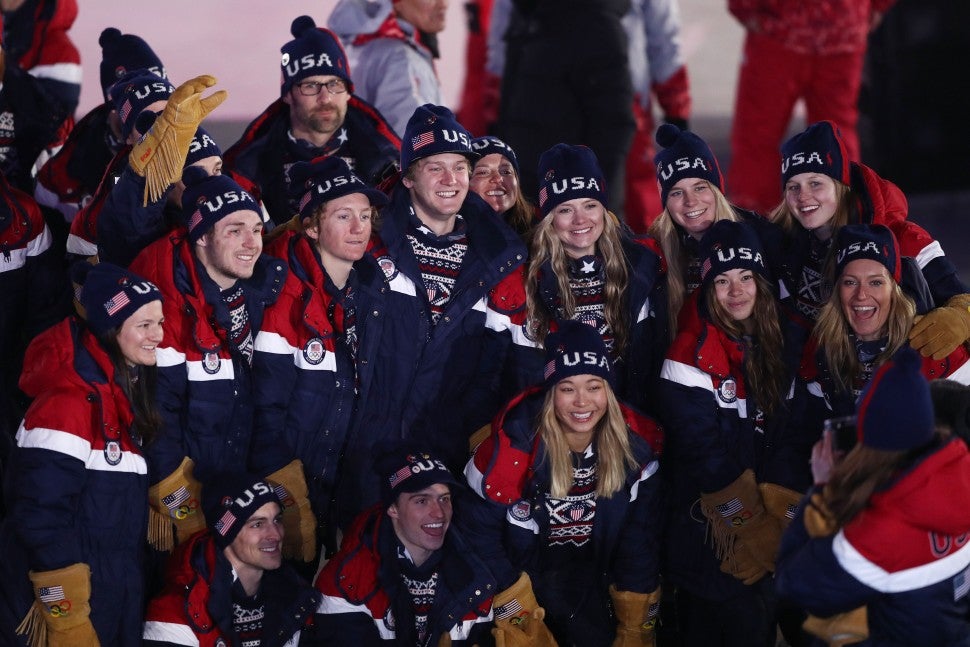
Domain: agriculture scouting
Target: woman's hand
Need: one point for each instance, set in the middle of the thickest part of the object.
(824, 458)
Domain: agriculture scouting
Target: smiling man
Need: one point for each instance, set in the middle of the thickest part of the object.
(219, 285)
(442, 251)
(317, 115)
(228, 585)
(404, 575)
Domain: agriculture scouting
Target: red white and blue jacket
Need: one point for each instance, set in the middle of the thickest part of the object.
(437, 383)
(636, 369)
(195, 607)
(83, 237)
(362, 587)
(69, 179)
(77, 487)
(715, 432)
(906, 556)
(307, 390)
(510, 473)
(33, 287)
(205, 387)
(261, 159)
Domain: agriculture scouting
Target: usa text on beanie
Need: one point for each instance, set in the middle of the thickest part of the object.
(576, 348)
(684, 155)
(817, 149)
(124, 53)
(325, 179)
(729, 245)
(433, 130)
(207, 199)
(568, 172)
(109, 294)
(135, 92)
(314, 51)
(230, 499)
(488, 145)
(405, 466)
(875, 242)
(895, 410)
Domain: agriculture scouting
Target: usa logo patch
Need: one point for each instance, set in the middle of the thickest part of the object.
(728, 391)
(314, 351)
(211, 363)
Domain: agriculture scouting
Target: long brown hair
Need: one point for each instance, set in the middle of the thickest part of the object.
(611, 441)
(833, 333)
(546, 247)
(763, 365)
(139, 387)
(668, 234)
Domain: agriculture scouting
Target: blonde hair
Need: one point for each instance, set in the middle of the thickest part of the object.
(546, 247)
(763, 365)
(668, 234)
(832, 331)
(782, 215)
(611, 442)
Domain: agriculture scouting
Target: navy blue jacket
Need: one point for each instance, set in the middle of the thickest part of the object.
(77, 490)
(307, 390)
(205, 387)
(437, 383)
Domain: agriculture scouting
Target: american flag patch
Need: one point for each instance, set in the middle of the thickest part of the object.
(50, 593)
(305, 200)
(730, 508)
(790, 511)
(225, 523)
(543, 195)
(705, 267)
(125, 110)
(116, 303)
(961, 584)
(550, 369)
(281, 493)
(507, 610)
(400, 475)
(195, 220)
(422, 140)
(176, 498)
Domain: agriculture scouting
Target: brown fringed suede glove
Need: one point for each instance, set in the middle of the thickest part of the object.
(61, 615)
(780, 502)
(176, 499)
(519, 618)
(636, 617)
(299, 524)
(160, 154)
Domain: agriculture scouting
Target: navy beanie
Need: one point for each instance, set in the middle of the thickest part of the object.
(729, 245)
(576, 348)
(817, 149)
(324, 179)
(230, 499)
(895, 410)
(124, 53)
(405, 466)
(875, 242)
(567, 172)
(207, 199)
(109, 294)
(684, 155)
(488, 145)
(133, 93)
(314, 51)
(202, 146)
(433, 130)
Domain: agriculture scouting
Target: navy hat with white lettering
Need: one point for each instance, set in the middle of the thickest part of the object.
(314, 51)
(134, 92)
(406, 466)
(210, 198)
(576, 348)
(489, 144)
(895, 411)
(108, 294)
(817, 149)
(433, 130)
(684, 155)
(567, 172)
(124, 53)
(324, 179)
(201, 147)
(729, 245)
(875, 242)
(230, 499)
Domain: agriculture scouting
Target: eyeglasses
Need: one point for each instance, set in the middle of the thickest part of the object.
(312, 88)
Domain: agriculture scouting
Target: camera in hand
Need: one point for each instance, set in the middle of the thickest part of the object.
(843, 432)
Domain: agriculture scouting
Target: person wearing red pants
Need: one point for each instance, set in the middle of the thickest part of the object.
(812, 51)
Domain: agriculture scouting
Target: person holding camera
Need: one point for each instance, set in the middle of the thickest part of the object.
(879, 550)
